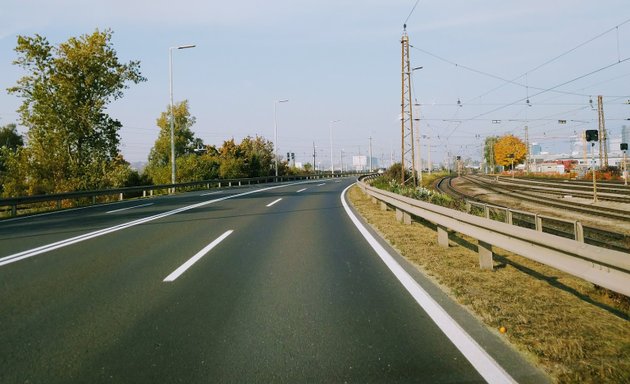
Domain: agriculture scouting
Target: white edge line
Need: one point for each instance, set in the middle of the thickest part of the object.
(63, 243)
(301, 190)
(487, 367)
(319, 185)
(273, 202)
(210, 193)
(135, 206)
(176, 273)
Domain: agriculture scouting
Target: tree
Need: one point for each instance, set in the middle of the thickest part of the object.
(72, 143)
(509, 150)
(488, 151)
(10, 142)
(159, 167)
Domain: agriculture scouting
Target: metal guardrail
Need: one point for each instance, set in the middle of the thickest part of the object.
(604, 267)
(16, 203)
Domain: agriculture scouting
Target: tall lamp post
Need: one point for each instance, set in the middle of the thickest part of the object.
(332, 164)
(275, 131)
(170, 75)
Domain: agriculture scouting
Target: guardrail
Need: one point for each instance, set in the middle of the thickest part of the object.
(17, 203)
(607, 268)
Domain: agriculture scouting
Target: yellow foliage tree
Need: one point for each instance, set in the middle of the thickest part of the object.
(509, 147)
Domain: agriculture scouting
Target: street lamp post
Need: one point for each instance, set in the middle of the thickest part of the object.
(170, 75)
(332, 164)
(275, 132)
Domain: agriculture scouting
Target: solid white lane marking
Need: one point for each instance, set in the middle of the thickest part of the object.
(302, 190)
(176, 273)
(273, 202)
(63, 243)
(135, 206)
(319, 185)
(487, 367)
(210, 193)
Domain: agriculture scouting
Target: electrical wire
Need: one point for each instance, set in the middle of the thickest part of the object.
(410, 13)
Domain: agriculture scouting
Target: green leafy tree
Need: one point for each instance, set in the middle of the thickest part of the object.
(159, 167)
(72, 142)
(509, 150)
(488, 151)
(10, 142)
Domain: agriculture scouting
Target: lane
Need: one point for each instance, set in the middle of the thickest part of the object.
(293, 294)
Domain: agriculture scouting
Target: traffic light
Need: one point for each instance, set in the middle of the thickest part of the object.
(624, 146)
(592, 135)
(293, 156)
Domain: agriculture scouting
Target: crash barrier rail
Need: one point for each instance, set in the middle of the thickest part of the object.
(604, 267)
(537, 219)
(17, 203)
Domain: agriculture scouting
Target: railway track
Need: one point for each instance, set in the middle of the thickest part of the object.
(534, 195)
(592, 235)
(606, 191)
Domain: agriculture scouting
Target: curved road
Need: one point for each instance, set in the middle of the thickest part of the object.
(269, 284)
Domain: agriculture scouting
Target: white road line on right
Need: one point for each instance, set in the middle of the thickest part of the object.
(274, 202)
(487, 367)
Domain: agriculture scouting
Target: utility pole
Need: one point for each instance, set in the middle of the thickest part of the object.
(603, 139)
(371, 154)
(526, 150)
(406, 115)
(314, 156)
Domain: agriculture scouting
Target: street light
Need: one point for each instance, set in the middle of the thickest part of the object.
(275, 131)
(170, 75)
(332, 164)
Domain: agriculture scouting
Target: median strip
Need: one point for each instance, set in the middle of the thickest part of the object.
(63, 243)
(184, 267)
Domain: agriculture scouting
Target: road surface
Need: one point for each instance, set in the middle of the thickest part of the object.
(264, 284)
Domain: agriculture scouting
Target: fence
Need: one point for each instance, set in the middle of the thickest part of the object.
(606, 268)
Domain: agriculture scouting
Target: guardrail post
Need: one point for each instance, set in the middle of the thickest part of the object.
(486, 211)
(508, 216)
(58, 204)
(151, 193)
(399, 215)
(219, 184)
(230, 184)
(406, 218)
(485, 255)
(579, 232)
(144, 193)
(239, 183)
(468, 206)
(539, 225)
(14, 210)
(121, 197)
(383, 206)
(93, 200)
(374, 200)
(442, 236)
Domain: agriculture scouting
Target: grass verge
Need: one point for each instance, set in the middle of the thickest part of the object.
(563, 324)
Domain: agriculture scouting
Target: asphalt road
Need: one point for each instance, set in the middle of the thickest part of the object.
(277, 291)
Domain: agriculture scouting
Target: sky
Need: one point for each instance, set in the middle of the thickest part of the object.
(340, 60)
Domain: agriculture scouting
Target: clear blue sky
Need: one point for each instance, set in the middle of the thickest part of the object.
(340, 60)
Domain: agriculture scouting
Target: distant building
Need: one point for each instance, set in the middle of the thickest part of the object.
(536, 149)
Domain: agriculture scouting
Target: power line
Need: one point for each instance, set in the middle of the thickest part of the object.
(410, 13)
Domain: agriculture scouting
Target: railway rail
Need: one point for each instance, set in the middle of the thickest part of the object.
(556, 226)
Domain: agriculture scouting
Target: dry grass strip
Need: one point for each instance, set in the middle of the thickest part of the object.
(561, 323)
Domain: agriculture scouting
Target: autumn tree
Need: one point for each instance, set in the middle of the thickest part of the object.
(72, 142)
(509, 150)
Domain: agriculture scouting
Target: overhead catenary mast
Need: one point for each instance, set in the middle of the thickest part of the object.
(406, 116)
